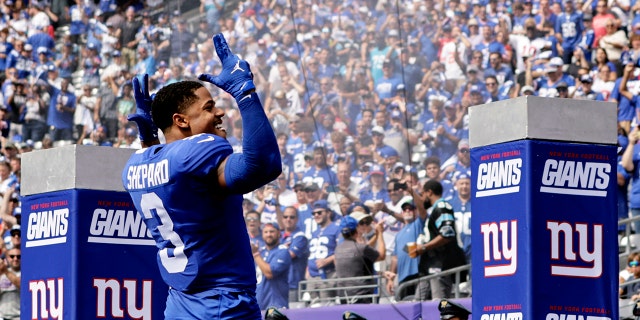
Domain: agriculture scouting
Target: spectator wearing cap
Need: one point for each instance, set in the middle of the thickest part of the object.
(159, 79)
(42, 61)
(473, 79)
(613, 41)
(322, 245)
(61, 109)
(380, 148)
(461, 203)
(554, 75)
(390, 213)
(354, 259)
(403, 267)
(252, 220)
(40, 39)
(128, 40)
(297, 244)
(375, 194)
(130, 139)
(115, 66)
(273, 262)
(91, 66)
(452, 311)
(584, 90)
(320, 173)
(527, 91)
(24, 62)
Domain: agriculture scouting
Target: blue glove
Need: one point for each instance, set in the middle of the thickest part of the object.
(236, 77)
(147, 129)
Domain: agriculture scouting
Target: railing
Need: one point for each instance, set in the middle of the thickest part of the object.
(403, 287)
(336, 284)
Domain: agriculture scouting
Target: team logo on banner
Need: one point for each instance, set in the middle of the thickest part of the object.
(119, 226)
(575, 178)
(47, 223)
(500, 245)
(47, 298)
(499, 177)
(590, 261)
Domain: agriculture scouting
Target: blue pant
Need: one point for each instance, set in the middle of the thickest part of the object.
(212, 304)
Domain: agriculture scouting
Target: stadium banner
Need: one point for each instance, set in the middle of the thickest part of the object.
(86, 254)
(544, 231)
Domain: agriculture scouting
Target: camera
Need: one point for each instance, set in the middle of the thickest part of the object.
(400, 186)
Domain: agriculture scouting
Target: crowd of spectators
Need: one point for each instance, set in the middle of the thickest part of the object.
(368, 99)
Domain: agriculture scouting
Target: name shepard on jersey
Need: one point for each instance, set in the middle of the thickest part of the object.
(576, 178)
(47, 227)
(148, 175)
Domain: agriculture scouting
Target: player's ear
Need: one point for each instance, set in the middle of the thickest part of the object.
(180, 120)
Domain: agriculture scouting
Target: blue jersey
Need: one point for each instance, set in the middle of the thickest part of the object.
(274, 292)
(634, 197)
(407, 266)
(322, 244)
(462, 213)
(199, 229)
(297, 243)
(570, 26)
(321, 177)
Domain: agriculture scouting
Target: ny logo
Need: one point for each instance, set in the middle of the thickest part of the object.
(39, 299)
(592, 266)
(113, 285)
(500, 251)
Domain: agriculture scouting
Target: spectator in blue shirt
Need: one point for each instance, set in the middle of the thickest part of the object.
(272, 269)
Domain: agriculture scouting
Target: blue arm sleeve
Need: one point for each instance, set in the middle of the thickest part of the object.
(259, 162)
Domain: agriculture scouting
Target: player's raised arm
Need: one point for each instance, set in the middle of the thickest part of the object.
(259, 162)
(147, 129)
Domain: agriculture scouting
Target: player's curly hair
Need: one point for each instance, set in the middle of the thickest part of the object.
(171, 99)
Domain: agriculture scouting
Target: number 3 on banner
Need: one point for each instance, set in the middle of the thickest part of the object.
(150, 204)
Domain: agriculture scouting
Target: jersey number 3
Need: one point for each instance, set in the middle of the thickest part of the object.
(173, 259)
